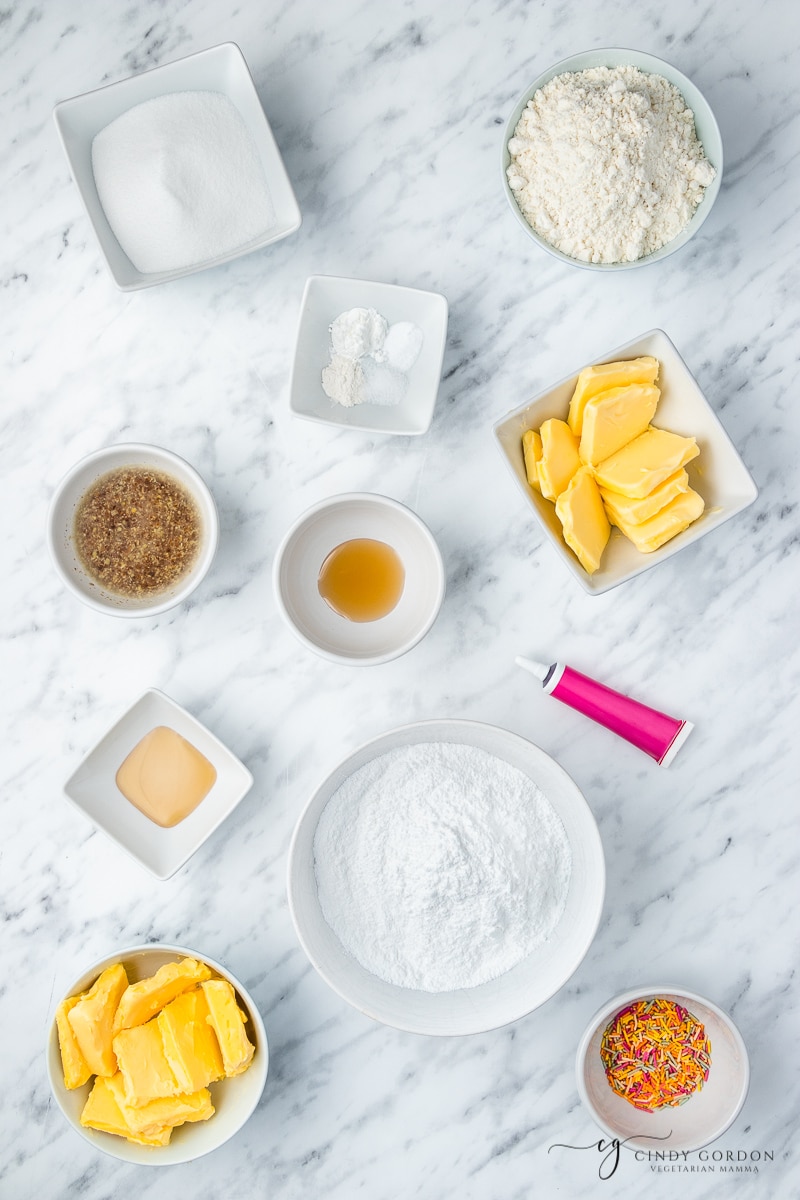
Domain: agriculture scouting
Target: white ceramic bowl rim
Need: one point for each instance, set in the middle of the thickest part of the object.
(650, 64)
(604, 1014)
(205, 556)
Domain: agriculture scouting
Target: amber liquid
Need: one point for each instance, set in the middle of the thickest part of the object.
(362, 580)
(165, 777)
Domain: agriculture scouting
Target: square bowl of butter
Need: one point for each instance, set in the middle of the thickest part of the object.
(624, 463)
(157, 1055)
(158, 784)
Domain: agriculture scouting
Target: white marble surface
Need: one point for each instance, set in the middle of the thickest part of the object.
(389, 117)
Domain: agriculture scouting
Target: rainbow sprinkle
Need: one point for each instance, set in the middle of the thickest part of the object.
(655, 1054)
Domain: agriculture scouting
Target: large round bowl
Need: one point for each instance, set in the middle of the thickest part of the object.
(703, 1117)
(234, 1099)
(501, 1000)
(705, 126)
(61, 522)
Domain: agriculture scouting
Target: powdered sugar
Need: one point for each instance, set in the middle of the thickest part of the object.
(440, 866)
(606, 165)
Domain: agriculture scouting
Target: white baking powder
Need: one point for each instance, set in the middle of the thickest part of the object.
(606, 165)
(369, 359)
(440, 866)
(180, 181)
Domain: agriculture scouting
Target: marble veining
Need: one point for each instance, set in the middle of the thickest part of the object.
(390, 118)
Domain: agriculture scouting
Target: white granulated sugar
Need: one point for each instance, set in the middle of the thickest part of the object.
(403, 345)
(440, 866)
(606, 165)
(180, 181)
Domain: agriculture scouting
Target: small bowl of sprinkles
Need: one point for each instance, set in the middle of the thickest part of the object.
(132, 530)
(662, 1069)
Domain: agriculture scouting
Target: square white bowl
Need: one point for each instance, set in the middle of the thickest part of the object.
(92, 788)
(718, 473)
(325, 297)
(219, 69)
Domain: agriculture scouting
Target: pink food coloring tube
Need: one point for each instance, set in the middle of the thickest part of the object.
(654, 732)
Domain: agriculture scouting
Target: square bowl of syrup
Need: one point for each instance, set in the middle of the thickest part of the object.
(158, 784)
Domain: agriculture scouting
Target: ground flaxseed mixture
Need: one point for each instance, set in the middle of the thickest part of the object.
(137, 531)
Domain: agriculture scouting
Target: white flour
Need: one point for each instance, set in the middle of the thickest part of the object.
(606, 165)
(439, 866)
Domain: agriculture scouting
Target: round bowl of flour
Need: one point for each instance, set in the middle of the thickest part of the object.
(606, 169)
(446, 878)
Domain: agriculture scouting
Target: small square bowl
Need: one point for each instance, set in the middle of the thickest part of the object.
(92, 788)
(234, 1099)
(324, 299)
(219, 69)
(718, 473)
(703, 1117)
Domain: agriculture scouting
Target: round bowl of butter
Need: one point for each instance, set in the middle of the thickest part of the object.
(611, 159)
(157, 1055)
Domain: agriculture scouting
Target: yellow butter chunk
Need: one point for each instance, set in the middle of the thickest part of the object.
(672, 520)
(92, 1020)
(641, 466)
(228, 1021)
(102, 1112)
(167, 1112)
(532, 452)
(141, 1001)
(614, 418)
(146, 1073)
(75, 1067)
(559, 460)
(189, 1042)
(635, 511)
(583, 519)
(593, 380)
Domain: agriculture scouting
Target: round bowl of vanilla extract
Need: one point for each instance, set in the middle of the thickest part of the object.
(359, 579)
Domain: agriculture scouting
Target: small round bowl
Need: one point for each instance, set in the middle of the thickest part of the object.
(499, 1001)
(705, 125)
(234, 1099)
(309, 542)
(707, 1113)
(61, 520)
